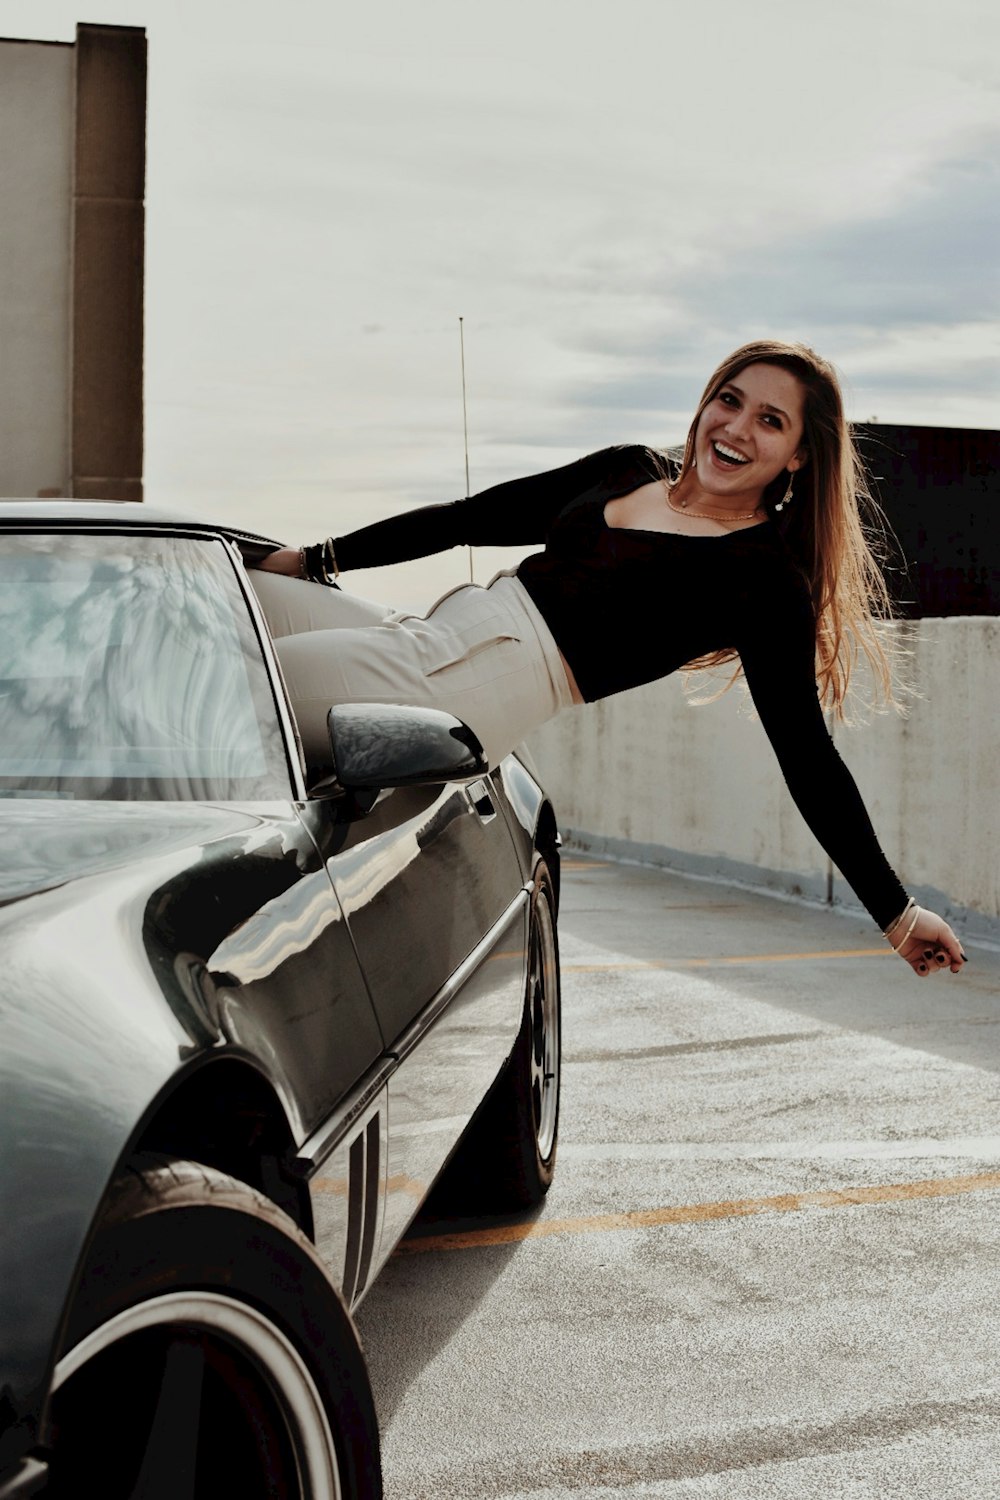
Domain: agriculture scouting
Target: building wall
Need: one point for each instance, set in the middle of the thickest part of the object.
(108, 246)
(940, 489)
(72, 174)
(646, 774)
(36, 177)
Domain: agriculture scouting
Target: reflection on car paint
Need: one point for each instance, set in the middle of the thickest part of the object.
(359, 876)
(280, 928)
(440, 1081)
(47, 844)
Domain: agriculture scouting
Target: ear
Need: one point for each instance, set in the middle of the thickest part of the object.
(799, 461)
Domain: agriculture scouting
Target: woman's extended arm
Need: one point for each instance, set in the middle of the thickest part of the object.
(516, 512)
(778, 658)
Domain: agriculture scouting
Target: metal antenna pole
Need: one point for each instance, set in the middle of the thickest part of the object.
(465, 426)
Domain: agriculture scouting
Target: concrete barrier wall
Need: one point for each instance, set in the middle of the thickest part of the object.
(646, 774)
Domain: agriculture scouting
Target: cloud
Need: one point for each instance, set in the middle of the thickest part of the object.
(908, 301)
(934, 261)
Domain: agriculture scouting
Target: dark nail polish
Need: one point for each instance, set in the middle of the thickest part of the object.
(964, 959)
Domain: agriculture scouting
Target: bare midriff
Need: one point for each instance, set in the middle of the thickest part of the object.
(575, 693)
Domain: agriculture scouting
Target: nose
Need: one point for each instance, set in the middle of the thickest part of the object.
(739, 423)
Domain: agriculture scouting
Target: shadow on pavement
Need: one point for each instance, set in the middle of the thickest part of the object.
(422, 1297)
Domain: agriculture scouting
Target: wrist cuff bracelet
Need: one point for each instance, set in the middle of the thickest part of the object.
(319, 562)
(905, 938)
(888, 931)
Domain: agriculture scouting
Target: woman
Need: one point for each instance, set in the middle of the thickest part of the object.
(753, 554)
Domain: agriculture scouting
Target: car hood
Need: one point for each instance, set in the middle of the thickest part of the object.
(45, 844)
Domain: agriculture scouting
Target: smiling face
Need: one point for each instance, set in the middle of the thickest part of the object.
(750, 432)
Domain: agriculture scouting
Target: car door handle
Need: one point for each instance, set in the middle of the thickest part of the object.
(480, 801)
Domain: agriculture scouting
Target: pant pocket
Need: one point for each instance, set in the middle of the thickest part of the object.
(473, 662)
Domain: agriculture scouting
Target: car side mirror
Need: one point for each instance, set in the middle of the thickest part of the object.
(375, 746)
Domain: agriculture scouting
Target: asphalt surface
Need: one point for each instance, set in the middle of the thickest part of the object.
(769, 1264)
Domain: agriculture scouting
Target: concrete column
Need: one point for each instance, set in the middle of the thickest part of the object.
(107, 263)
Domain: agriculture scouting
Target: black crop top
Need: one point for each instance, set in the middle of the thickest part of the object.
(627, 607)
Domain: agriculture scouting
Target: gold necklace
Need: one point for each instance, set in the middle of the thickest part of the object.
(715, 515)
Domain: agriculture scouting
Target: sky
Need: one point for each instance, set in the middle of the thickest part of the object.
(612, 194)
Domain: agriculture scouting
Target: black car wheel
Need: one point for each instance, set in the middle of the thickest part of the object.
(541, 1041)
(507, 1157)
(208, 1353)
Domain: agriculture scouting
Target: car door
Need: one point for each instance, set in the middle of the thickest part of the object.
(421, 879)
(432, 892)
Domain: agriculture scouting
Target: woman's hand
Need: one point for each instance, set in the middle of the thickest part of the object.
(931, 944)
(286, 560)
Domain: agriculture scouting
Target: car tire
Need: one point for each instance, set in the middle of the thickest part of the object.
(506, 1160)
(207, 1352)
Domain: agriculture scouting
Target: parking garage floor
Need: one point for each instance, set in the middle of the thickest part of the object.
(769, 1265)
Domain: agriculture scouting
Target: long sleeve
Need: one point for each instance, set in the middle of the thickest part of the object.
(517, 512)
(778, 658)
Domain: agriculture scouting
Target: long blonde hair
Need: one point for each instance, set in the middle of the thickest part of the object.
(822, 525)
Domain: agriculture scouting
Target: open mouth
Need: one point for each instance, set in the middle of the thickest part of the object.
(728, 457)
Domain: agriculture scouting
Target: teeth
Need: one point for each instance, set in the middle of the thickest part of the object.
(730, 453)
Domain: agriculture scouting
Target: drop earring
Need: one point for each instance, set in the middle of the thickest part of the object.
(786, 497)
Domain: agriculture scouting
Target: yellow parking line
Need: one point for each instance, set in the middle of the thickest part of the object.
(701, 1213)
(741, 958)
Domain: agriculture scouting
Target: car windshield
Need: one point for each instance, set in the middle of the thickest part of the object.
(130, 669)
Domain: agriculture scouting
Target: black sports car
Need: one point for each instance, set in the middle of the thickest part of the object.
(248, 1011)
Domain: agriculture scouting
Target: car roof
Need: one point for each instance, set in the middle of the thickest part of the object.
(130, 514)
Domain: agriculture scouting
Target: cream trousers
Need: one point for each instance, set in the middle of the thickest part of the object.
(483, 654)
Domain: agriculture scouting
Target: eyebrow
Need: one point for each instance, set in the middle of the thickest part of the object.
(765, 405)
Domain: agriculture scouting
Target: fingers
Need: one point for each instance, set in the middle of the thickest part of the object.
(924, 960)
(947, 950)
(929, 961)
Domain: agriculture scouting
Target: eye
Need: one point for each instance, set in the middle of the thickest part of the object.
(773, 420)
(728, 399)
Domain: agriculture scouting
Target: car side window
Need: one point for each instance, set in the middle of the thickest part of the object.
(130, 669)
